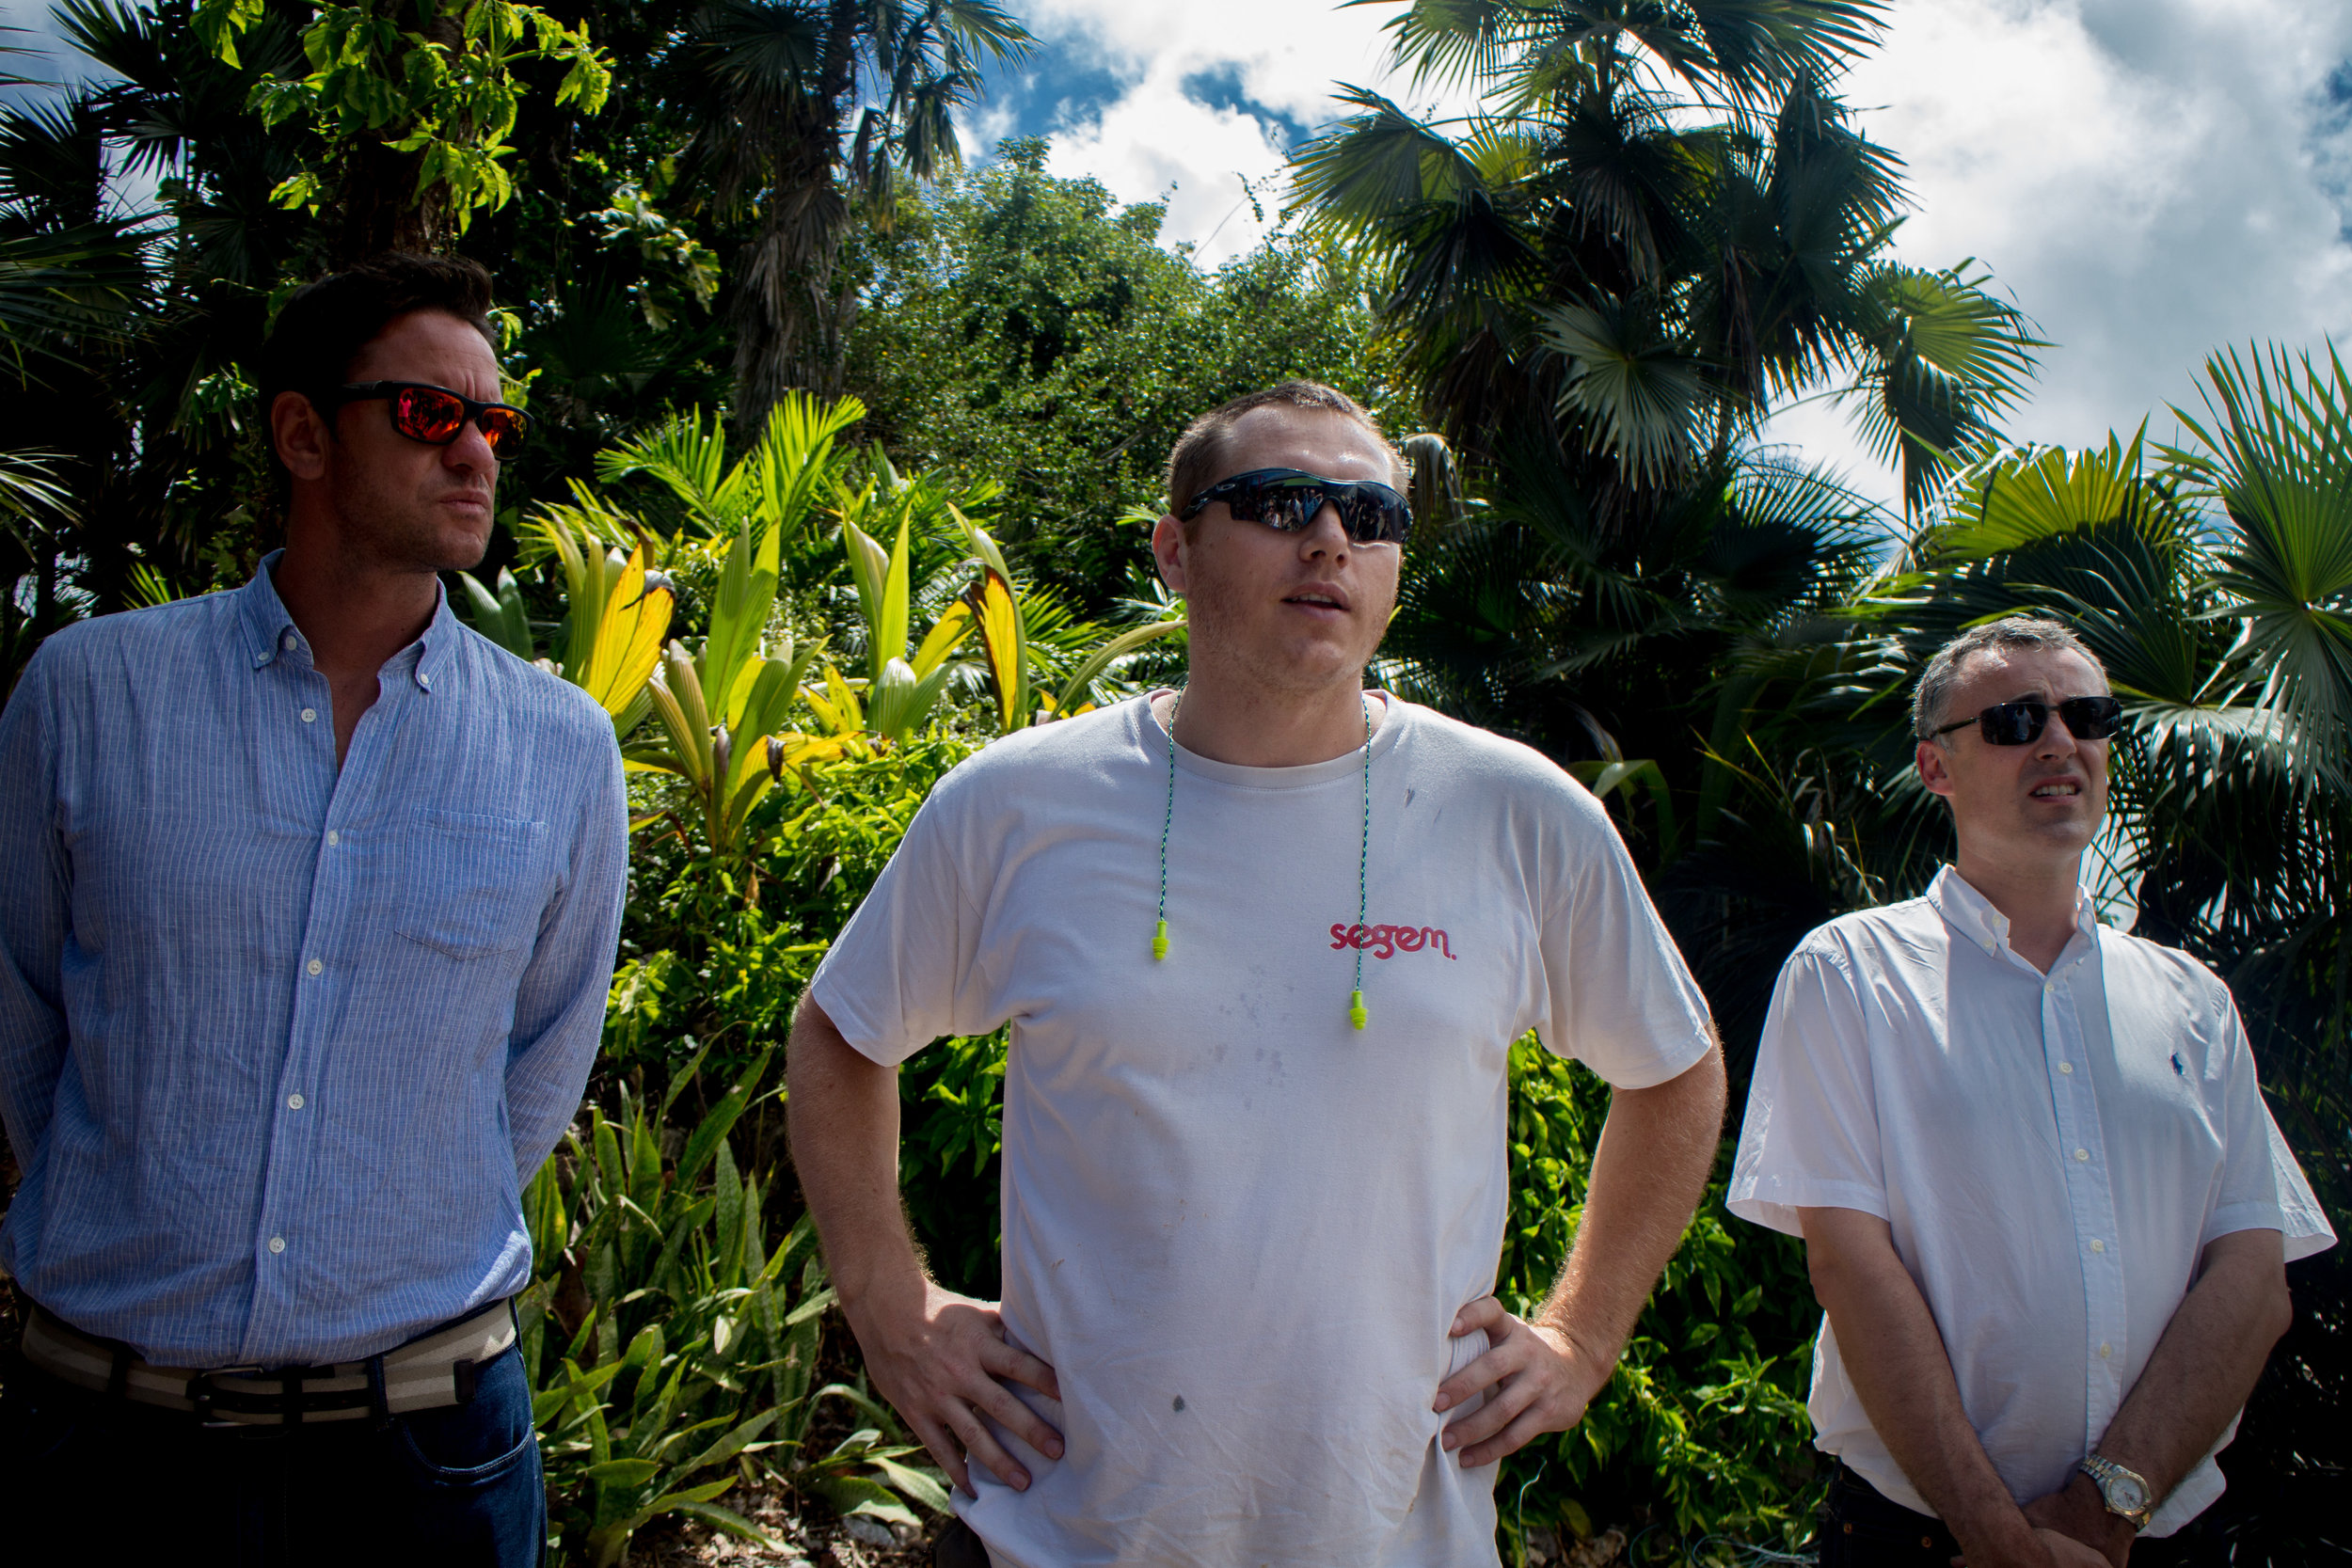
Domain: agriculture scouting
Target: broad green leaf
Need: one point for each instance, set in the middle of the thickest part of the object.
(705, 1141)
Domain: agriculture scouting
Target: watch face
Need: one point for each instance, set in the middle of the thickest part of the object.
(2126, 1494)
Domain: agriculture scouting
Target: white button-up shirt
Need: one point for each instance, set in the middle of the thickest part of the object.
(2052, 1152)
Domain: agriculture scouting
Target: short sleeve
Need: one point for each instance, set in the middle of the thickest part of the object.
(1810, 1140)
(898, 977)
(2262, 1187)
(1618, 995)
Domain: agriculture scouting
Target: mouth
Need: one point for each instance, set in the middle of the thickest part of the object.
(1322, 599)
(2058, 789)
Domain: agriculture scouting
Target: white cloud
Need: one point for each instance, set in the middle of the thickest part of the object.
(2149, 180)
(2143, 177)
(1275, 61)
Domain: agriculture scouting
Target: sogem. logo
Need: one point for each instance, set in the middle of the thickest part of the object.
(1383, 941)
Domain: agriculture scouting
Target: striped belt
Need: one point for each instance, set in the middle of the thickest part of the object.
(435, 1370)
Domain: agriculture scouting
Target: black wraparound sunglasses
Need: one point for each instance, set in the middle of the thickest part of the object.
(2021, 723)
(1290, 499)
(435, 415)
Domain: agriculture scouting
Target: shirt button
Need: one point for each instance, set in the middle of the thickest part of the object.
(277, 1244)
(294, 1102)
(315, 966)
(2105, 1350)
(426, 681)
(2098, 1246)
(310, 715)
(2063, 1067)
(291, 641)
(2079, 1154)
(333, 838)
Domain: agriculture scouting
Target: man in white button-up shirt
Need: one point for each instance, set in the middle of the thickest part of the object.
(2043, 1206)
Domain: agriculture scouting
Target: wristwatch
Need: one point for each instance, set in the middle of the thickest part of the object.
(2126, 1491)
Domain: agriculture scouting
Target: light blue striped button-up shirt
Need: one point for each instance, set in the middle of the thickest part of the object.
(281, 1045)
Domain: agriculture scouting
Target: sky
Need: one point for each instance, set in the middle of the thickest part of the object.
(2149, 180)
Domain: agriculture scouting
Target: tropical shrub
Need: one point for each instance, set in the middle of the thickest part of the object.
(674, 1353)
(1702, 1428)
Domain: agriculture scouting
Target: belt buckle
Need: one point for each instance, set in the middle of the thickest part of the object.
(200, 1393)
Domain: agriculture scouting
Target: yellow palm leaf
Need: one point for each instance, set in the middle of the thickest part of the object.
(999, 617)
(951, 629)
(628, 638)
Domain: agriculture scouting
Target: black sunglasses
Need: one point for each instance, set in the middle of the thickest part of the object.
(2020, 723)
(435, 415)
(1290, 499)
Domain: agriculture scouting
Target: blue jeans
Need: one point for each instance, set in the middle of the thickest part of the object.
(85, 1480)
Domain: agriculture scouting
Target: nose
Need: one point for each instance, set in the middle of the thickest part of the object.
(1324, 536)
(2055, 740)
(472, 451)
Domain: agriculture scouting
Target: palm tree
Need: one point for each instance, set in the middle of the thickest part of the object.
(806, 108)
(124, 325)
(1657, 226)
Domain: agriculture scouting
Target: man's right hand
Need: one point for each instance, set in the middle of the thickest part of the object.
(942, 1362)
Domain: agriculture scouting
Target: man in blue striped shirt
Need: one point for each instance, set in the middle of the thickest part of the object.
(309, 898)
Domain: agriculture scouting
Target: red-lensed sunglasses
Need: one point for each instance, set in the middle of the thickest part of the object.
(435, 415)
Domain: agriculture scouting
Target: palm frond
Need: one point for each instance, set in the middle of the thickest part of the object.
(2275, 448)
(1374, 167)
(1642, 390)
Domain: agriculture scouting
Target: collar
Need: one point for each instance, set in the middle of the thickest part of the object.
(1972, 915)
(269, 632)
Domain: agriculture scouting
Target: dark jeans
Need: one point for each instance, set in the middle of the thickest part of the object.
(85, 1480)
(957, 1548)
(1862, 1528)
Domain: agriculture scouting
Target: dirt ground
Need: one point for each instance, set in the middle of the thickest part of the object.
(858, 1544)
(808, 1544)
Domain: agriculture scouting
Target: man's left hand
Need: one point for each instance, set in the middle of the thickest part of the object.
(1536, 1379)
(2078, 1509)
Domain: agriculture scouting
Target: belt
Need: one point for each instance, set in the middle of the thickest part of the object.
(437, 1369)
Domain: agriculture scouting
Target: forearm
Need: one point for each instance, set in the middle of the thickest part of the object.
(1893, 1353)
(2206, 1362)
(559, 1001)
(1648, 1175)
(842, 1111)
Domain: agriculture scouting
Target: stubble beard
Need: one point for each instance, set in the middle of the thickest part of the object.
(380, 533)
(1214, 611)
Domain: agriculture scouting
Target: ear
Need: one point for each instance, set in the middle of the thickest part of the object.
(1935, 770)
(301, 435)
(1170, 549)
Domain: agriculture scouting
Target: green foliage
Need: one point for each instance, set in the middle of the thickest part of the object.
(1703, 1426)
(952, 1142)
(1025, 327)
(443, 91)
(672, 1351)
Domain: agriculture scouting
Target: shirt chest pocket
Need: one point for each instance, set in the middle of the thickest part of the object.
(471, 886)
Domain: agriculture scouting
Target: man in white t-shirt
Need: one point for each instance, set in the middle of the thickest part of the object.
(1254, 1186)
(2043, 1206)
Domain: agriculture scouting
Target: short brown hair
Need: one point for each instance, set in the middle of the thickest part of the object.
(325, 325)
(2009, 631)
(1192, 467)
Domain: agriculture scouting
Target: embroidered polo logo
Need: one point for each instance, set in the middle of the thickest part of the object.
(1382, 942)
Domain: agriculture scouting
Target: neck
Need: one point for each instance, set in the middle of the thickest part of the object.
(2039, 897)
(353, 614)
(1251, 727)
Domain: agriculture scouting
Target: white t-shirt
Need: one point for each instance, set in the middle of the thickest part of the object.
(2051, 1152)
(1236, 1226)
